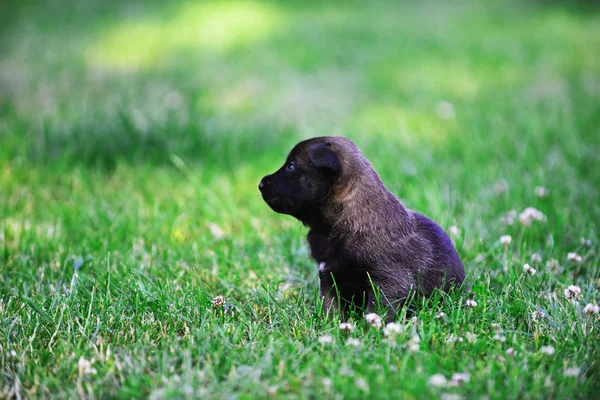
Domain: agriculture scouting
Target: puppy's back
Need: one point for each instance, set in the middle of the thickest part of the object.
(444, 255)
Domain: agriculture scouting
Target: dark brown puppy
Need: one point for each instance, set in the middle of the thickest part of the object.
(360, 234)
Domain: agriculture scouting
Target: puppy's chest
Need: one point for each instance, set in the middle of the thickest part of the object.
(329, 253)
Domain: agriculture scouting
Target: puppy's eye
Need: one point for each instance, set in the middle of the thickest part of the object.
(290, 167)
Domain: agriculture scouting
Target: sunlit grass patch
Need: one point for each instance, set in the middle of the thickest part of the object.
(193, 27)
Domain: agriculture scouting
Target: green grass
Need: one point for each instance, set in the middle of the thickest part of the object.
(132, 139)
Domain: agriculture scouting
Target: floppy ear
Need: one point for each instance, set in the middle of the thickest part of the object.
(322, 156)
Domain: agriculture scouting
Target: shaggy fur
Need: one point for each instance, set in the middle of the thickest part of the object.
(361, 235)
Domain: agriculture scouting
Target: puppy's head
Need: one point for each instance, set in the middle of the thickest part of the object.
(306, 180)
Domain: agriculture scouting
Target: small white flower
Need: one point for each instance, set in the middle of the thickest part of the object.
(454, 231)
(505, 240)
(529, 215)
(511, 351)
(85, 367)
(11, 354)
(440, 315)
(450, 396)
(459, 378)
(327, 382)
(362, 384)
(572, 292)
(501, 187)
(412, 347)
(538, 314)
(216, 231)
(553, 266)
(591, 308)
(392, 329)
(509, 217)
(500, 337)
(470, 336)
(374, 320)
(549, 350)
(529, 270)
(536, 258)
(471, 303)
(438, 380)
(346, 327)
(585, 242)
(572, 371)
(353, 342)
(325, 339)
(218, 302)
(445, 110)
(496, 327)
(541, 191)
(452, 339)
(574, 257)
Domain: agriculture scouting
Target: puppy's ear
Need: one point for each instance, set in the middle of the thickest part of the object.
(322, 156)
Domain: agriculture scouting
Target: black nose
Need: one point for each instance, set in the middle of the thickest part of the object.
(264, 182)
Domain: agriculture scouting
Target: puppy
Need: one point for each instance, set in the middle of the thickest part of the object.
(362, 237)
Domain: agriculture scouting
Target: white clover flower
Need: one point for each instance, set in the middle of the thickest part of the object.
(452, 339)
(218, 302)
(362, 384)
(572, 371)
(327, 382)
(412, 347)
(536, 258)
(529, 215)
(549, 350)
(438, 380)
(501, 187)
(374, 320)
(529, 270)
(325, 339)
(445, 110)
(538, 314)
(470, 336)
(440, 315)
(353, 342)
(591, 308)
(346, 327)
(505, 240)
(392, 329)
(572, 292)
(553, 266)
(509, 217)
(471, 303)
(541, 191)
(85, 367)
(460, 378)
(450, 396)
(574, 257)
(499, 337)
(216, 231)
(454, 231)
(511, 351)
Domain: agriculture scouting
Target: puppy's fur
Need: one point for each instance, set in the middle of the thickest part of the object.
(361, 235)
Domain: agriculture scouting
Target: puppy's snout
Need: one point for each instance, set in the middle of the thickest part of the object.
(266, 181)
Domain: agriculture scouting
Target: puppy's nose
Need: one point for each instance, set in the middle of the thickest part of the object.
(264, 181)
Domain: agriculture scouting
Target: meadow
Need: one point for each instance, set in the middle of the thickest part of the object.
(138, 259)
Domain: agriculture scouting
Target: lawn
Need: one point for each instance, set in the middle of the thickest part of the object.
(133, 136)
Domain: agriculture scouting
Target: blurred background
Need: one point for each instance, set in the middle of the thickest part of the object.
(99, 81)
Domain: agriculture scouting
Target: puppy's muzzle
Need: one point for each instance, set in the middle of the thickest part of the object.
(265, 183)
